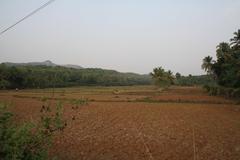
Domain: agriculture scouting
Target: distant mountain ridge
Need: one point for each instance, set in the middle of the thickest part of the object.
(44, 63)
(45, 74)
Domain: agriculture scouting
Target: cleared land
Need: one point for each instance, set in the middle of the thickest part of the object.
(139, 122)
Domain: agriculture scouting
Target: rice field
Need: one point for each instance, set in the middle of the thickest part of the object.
(137, 122)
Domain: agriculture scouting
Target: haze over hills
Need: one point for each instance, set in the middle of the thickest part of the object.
(44, 63)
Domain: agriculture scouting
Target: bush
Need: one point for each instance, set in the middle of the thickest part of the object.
(206, 87)
(4, 84)
(223, 91)
(79, 102)
(212, 90)
(28, 141)
(236, 93)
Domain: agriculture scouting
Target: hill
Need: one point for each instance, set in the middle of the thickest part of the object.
(47, 74)
(44, 63)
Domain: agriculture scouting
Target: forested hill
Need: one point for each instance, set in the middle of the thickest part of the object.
(44, 63)
(43, 76)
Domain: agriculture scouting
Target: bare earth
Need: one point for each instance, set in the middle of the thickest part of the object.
(140, 122)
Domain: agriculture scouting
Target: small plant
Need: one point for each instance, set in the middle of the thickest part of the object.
(52, 123)
(44, 99)
(28, 141)
(79, 102)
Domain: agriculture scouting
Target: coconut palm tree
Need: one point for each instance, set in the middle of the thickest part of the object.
(223, 49)
(158, 73)
(170, 76)
(207, 64)
(161, 77)
(178, 75)
(235, 41)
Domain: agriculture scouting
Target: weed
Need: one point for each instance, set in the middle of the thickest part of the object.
(79, 102)
(28, 141)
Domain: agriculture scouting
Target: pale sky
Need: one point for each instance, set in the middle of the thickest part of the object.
(124, 35)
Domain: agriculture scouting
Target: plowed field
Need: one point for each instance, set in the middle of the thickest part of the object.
(140, 122)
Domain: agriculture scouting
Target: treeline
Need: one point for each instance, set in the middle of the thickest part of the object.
(163, 78)
(194, 80)
(226, 68)
(47, 76)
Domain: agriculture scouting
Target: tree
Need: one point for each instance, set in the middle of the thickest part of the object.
(4, 84)
(161, 77)
(222, 50)
(45, 76)
(170, 76)
(235, 41)
(207, 64)
(226, 69)
(178, 75)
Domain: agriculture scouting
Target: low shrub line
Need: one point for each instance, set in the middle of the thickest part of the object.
(222, 91)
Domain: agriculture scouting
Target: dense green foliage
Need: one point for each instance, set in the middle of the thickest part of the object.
(164, 78)
(28, 141)
(194, 80)
(161, 77)
(226, 68)
(47, 76)
(224, 91)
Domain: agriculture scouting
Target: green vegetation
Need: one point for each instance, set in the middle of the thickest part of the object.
(57, 76)
(28, 141)
(164, 78)
(226, 68)
(193, 80)
(225, 91)
(161, 77)
(79, 102)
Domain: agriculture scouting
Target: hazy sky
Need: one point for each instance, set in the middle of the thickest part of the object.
(125, 35)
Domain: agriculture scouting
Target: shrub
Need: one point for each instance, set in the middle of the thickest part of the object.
(4, 84)
(79, 102)
(223, 91)
(206, 87)
(236, 93)
(28, 141)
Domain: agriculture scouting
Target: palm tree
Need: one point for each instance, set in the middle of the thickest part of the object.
(161, 77)
(207, 64)
(158, 73)
(170, 76)
(235, 41)
(222, 50)
(178, 75)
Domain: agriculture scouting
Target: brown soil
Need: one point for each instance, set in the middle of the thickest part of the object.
(125, 130)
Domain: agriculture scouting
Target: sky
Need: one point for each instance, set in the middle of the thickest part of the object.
(124, 35)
